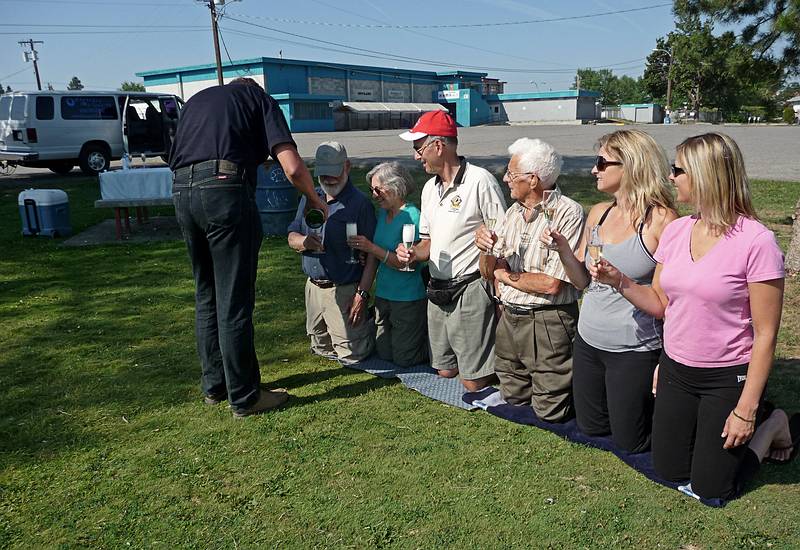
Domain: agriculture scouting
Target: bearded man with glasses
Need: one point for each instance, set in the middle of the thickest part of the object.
(455, 202)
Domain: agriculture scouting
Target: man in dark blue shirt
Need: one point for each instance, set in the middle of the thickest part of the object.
(224, 133)
(336, 292)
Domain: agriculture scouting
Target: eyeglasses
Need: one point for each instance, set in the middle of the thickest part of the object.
(377, 191)
(421, 149)
(602, 163)
(677, 171)
(514, 175)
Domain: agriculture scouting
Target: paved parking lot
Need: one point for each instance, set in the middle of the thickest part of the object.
(771, 152)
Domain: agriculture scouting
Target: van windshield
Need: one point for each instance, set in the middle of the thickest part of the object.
(18, 107)
(5, 107)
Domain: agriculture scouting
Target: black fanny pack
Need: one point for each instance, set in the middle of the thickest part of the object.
(446, 291)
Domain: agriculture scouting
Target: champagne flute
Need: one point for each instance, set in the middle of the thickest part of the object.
(549, 202)
(409, 232)
(596, 254)
(490, 221)
(315, 220)
(351, 230)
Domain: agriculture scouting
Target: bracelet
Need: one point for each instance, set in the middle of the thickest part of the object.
(743, 419)
(386, 258)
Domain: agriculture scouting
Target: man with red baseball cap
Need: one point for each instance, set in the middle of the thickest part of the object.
(459, 198)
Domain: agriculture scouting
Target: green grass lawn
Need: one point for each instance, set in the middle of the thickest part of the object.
(106, 443)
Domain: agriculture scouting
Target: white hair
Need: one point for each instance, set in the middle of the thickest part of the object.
(537, 157)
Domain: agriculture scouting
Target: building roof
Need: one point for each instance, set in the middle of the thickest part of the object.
(303, 62)
(560, 94)
(377, 107)
(795, 99)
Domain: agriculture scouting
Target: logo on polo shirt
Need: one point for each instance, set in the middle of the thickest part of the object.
(740, 378)
(455, 203)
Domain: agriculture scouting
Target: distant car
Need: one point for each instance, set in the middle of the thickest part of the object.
(58, 130)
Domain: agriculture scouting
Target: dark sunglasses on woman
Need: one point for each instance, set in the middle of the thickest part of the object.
(602, 163)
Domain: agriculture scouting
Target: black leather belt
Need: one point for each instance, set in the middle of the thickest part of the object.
(207, 168)
(529, 310)
(322, 283)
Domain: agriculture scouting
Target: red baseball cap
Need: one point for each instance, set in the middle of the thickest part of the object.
(433, 123)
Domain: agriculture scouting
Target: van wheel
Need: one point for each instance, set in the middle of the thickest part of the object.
(61, 168)
(94, 159)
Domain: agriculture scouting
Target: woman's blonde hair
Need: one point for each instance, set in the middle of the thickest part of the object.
(645, 171)
(720, 189)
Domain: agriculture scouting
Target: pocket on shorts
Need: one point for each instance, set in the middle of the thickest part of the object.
(223, 204)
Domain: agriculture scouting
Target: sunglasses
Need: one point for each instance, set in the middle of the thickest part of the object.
(677, 171)
(602, 163)
(377, 191)
(421, 149)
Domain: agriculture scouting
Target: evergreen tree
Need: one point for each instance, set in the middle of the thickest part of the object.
(75, 84)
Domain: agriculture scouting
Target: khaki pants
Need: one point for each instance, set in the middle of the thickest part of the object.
(534, 360)
(401, 331)
(328, 327)
(462, 333)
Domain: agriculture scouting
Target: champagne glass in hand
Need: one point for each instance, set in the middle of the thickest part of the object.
(351, 230)
(409, 232)
(491, 216)
(596, 254)
(549, 202)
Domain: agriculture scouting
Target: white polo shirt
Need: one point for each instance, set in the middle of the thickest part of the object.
(449, 218)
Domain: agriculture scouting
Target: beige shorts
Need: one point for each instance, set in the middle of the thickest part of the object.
(462, 333)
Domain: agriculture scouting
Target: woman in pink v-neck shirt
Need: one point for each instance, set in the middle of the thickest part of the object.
(719, 287)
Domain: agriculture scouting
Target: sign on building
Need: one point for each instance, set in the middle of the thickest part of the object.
(448, 94)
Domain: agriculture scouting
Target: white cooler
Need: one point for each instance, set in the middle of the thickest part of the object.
(44, 212)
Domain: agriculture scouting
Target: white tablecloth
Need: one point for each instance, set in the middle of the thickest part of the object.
(136, 183)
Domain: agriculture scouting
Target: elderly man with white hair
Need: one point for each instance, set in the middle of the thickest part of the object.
(533, 345)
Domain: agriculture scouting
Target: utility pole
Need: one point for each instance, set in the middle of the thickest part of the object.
(32, 55)
(212, 4)
(669, 74)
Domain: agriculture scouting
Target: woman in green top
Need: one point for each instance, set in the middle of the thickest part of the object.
(400, 303)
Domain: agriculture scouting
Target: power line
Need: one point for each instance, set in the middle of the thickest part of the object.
(407, 59)
(435, 37)
(15, 74)
(460, 25)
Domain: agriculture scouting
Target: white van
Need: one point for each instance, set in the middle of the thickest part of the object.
(58, 130)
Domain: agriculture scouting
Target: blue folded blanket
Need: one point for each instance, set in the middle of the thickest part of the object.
(489, 399)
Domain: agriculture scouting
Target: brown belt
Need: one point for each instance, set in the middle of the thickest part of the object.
(322, 283)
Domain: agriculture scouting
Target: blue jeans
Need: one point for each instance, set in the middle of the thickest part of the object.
(220, 223)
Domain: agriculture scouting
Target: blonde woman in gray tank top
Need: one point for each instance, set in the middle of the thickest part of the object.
(617, 347)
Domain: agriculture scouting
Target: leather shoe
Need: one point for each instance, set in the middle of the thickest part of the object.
(215, 399)
(269, 399)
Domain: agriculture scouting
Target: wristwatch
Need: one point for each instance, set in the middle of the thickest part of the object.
(363, 293)
(513, 276)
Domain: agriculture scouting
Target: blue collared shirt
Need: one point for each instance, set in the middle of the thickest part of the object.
(351, 205)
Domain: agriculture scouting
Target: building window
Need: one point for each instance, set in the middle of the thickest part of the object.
(312, 111)
(497, 109)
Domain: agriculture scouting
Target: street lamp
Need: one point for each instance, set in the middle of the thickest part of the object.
(669, 75)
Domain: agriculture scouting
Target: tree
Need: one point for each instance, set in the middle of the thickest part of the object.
(1, 89)
(767, 24)
(132, 87)
(709, 70)
(75, 84)
(613, 89)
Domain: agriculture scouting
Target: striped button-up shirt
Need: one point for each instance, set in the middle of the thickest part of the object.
(518, 242)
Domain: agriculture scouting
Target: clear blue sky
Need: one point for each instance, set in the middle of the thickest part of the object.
(118, 38)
